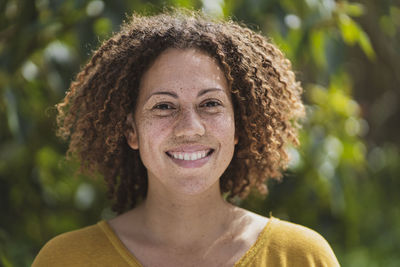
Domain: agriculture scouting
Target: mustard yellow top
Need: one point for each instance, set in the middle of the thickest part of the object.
(279, 244)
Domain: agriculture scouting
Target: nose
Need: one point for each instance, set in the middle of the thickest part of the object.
(188, 124)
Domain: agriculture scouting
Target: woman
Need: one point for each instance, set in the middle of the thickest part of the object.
(179, 112)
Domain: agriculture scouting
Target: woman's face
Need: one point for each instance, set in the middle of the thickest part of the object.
(184, 122)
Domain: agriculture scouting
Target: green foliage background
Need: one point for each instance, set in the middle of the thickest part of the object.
(343, 181)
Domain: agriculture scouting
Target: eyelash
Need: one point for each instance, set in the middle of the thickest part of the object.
(158, 106)
(214, 102)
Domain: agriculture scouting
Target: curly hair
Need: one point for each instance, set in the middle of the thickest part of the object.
(265, 95)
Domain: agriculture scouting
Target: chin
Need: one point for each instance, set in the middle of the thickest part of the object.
(194, 187)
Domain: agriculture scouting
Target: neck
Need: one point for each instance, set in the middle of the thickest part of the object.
(185, 219)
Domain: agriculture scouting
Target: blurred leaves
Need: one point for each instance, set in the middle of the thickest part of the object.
(352, 34)
(342, 181)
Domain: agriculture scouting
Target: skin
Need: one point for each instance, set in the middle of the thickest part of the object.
(185, 108)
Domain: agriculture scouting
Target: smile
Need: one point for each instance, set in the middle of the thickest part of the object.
(190, 156)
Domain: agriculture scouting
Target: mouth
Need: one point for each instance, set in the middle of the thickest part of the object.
(190, 156)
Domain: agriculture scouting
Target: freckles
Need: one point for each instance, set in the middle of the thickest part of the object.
(224, 126)
(155, 128)
(224, 120)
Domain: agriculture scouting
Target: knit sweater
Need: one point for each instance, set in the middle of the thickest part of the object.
(280, 243)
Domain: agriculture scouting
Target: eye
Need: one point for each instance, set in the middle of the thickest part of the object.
(163, 106)
(211, 103)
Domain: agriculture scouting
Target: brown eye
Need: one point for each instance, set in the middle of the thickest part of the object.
(211, 104)
(163, 106)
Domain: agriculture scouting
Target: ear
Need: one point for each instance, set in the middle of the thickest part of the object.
(131, 134)
(236, 139)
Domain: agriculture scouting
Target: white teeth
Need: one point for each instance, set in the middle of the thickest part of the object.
(189, 156)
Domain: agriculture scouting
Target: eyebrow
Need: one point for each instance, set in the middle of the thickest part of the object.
(205, 91)
(174, 95)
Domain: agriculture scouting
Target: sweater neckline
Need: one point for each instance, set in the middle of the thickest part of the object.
(259, 244)
(131, 259)
(118, 245)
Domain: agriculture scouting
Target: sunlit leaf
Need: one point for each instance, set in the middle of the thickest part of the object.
(183, 3)
(366, 45)
(353, 9)
(349, 29)
(102, 27)
(318, 47)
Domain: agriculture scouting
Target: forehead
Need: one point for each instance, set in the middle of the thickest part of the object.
(183, 70)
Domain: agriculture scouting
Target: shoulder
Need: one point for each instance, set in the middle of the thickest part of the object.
(286, 233)
(300, 243)
(75, 239)
(73, 248)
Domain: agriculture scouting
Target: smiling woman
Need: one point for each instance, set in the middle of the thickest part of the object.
(174, 111)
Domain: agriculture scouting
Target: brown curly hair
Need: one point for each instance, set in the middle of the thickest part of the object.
(266, 100)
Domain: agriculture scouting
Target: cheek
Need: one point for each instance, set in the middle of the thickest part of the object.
(224, 128)
(151, 136)
(152, 132)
